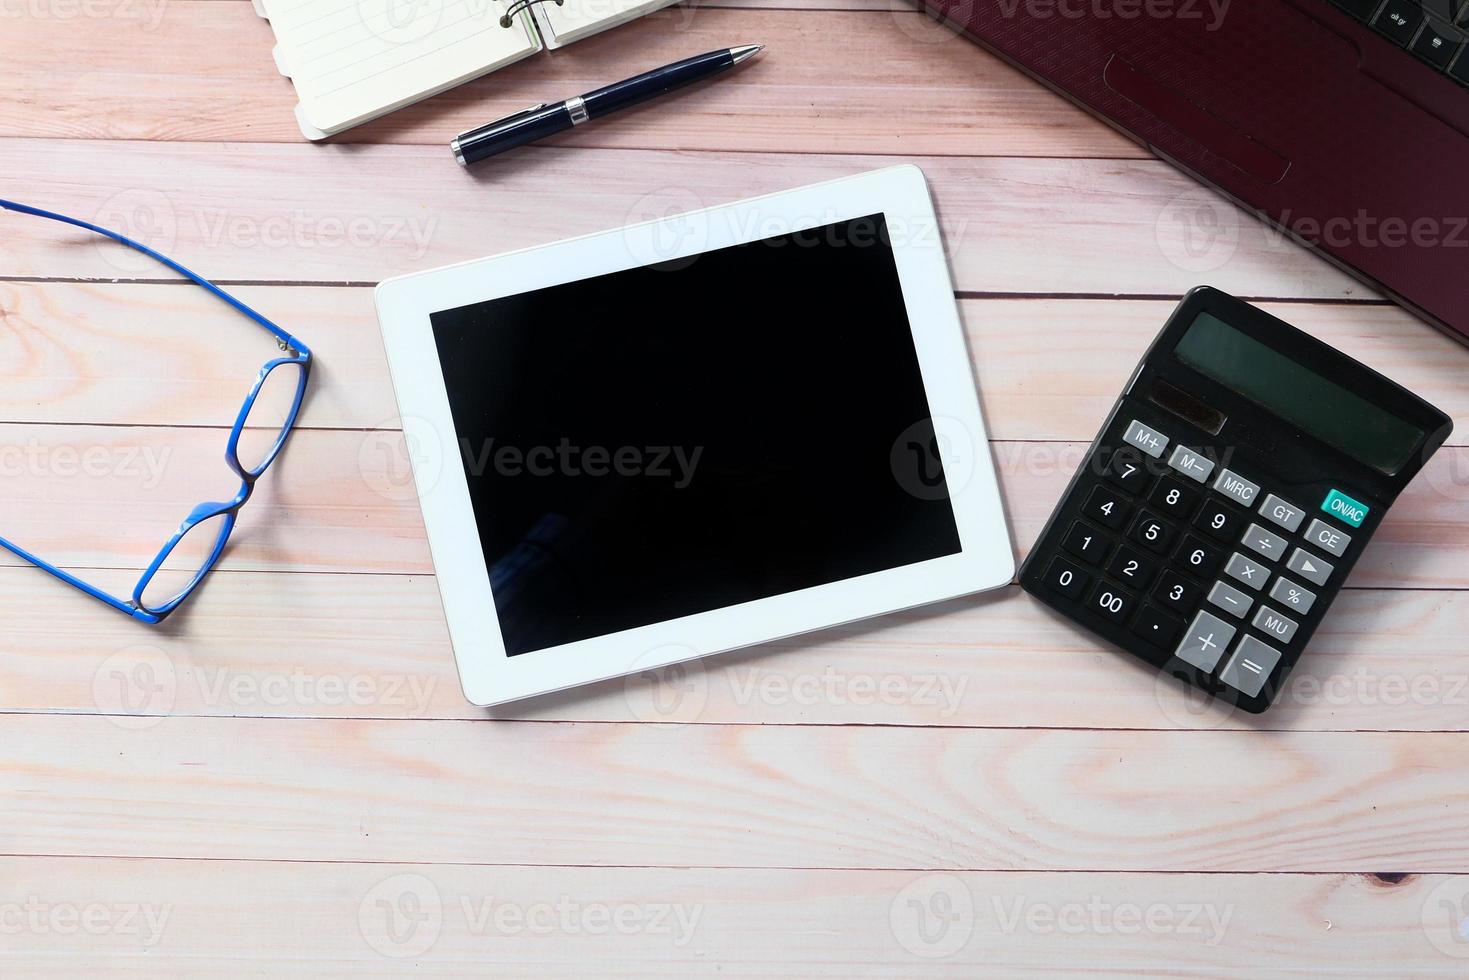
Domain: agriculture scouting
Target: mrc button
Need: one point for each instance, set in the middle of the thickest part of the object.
(1231, 484)
(1344, 508)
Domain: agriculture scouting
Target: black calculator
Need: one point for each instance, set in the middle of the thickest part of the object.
(1238, 479)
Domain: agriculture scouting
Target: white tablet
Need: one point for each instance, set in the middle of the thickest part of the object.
(700, 433)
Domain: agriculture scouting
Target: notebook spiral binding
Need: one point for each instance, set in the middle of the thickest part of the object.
(518, 6)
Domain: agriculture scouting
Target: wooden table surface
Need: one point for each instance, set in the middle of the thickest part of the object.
(286, 778)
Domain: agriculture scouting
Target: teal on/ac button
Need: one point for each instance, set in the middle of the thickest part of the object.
(1344, 508)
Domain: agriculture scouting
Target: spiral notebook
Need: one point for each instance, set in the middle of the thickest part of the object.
(354, 60)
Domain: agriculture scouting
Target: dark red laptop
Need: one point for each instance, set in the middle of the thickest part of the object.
(1345, 123)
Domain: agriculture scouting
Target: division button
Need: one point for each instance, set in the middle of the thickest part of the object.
(1230, 599)
(1309, 567)
(1231, 484)
(1282, 512)
(1250, 665)
(1296, 597)
(1249, 572)
(1204, 641)
(1328, 538)
(1149, 440)
(1191, 464)
(1259, 540)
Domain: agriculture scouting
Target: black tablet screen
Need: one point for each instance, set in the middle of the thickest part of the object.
(684, 437)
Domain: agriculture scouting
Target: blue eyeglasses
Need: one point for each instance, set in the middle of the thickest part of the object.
(269, 413)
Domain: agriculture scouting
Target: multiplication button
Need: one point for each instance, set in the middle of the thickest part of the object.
(1249, 572)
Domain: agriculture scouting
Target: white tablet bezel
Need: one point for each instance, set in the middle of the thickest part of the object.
(487, 675)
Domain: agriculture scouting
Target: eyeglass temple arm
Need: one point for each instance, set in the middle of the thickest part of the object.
(280, 335)
(77, 583)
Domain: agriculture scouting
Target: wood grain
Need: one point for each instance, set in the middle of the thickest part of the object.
(382, 920)
(273, 213)
(108, 497)
(137, 354)
(346, 646)
(894, 66)
(734, 796)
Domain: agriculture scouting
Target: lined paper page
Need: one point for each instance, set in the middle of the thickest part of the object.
(576, 19)
(352, 60)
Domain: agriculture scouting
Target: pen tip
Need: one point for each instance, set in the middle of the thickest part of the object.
(745, 51)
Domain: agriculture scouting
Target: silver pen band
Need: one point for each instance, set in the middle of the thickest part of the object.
(577, 106)
(458, 151)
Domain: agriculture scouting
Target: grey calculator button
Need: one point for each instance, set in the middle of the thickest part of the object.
(1270, 545)
(1207, 637)
(1309, 567)
(1328, 538)
(1191, 464)
(1282, 512)
(1250, 665)
(1251, 573)
(1280, 626)
(1230, 599)
(1293, 596)
(1231, 484)
(1149, 440)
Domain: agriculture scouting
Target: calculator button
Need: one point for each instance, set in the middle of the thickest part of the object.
(1112, 603)
(1149, 440)
(1198, 557)
(1309, 567)
(1231, 484)
(1259, 540)
(1132, 568)
(1204, 642)
(1152, 533)
(1086, 544)
(1249, 572)
(1230, 599)
(1107, 507)
(1250, 664)
(1344, 508)
(1066, 578)
(1297, 597)
(1219, 521)
(1126, 470)
(1279, 626)
(1281, 512)
(1173, 498)
(1157, 627)
(1328, 538)
(1191, 464)
(1178, 593)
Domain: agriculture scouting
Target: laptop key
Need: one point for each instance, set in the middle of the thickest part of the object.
(1399, 20)
(1461, 67)
(1437, 44)
(1360, 9)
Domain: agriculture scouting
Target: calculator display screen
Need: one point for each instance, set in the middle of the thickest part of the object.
(1314, 404)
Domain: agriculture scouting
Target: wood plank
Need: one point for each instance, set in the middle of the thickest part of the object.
(271, 213)
(139, 354)
(108, 497)
(358, 646)
(165, 918)
(951, 97)
(734, 796)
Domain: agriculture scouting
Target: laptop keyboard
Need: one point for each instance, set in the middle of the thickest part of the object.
(1437, 31)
